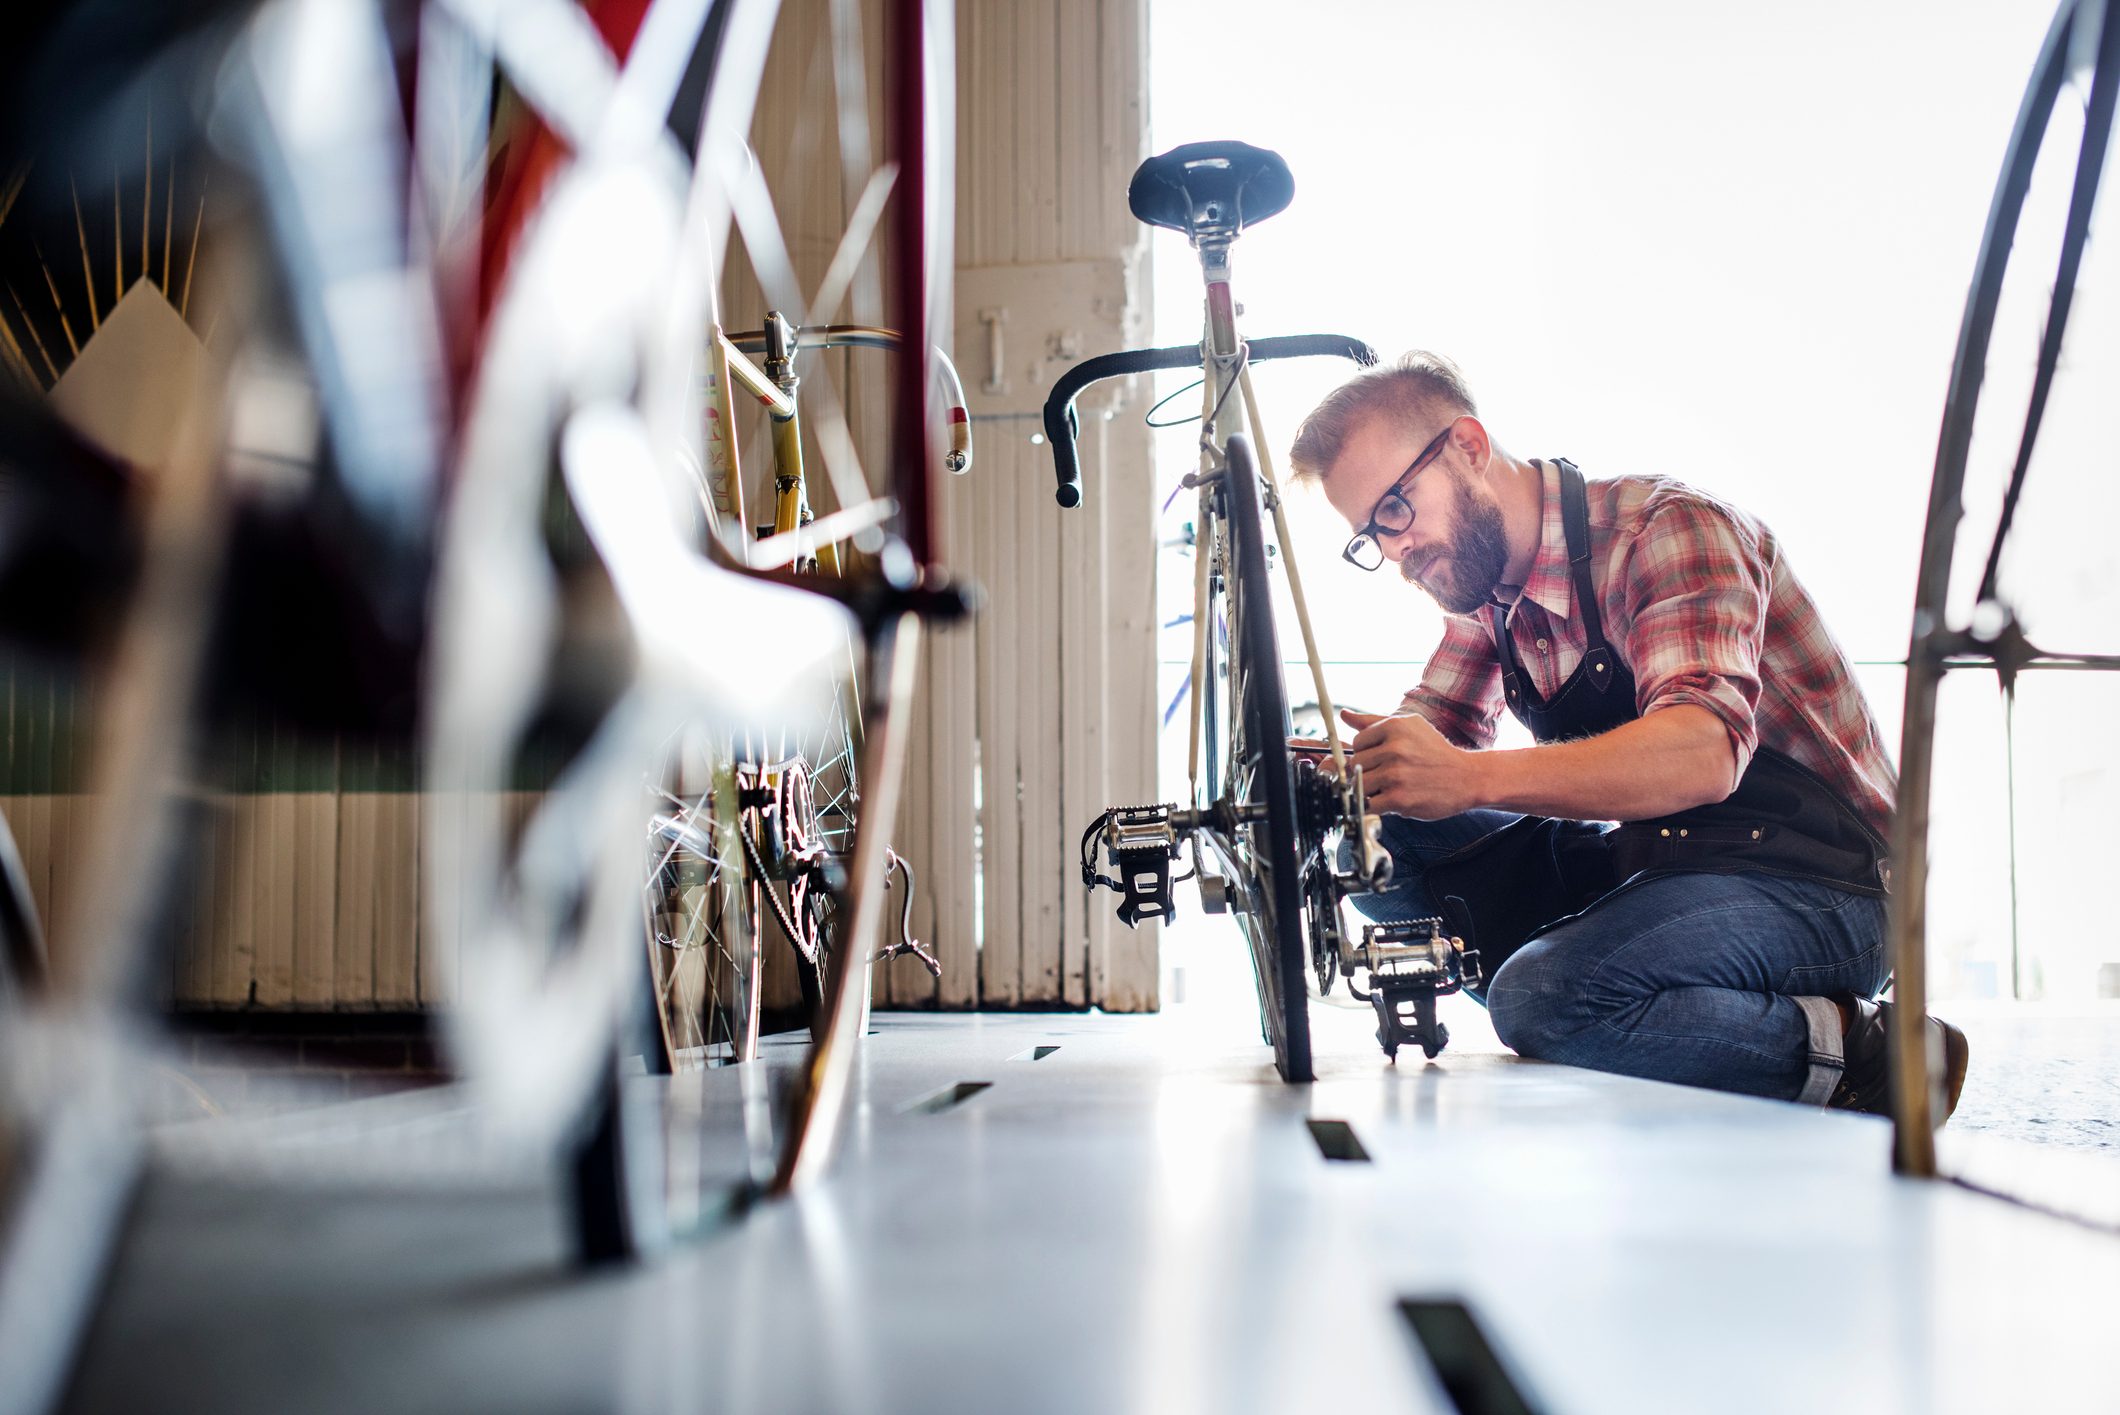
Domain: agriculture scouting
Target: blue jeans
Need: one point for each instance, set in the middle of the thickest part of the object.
(1712, 980)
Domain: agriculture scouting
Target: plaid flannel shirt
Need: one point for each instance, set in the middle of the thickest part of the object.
(1700, 604)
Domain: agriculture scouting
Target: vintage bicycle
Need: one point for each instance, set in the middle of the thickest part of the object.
(1274, 841)
(716, 630)
(759, 825)
(575, 599)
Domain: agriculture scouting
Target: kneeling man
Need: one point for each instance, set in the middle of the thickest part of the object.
(1685, 879)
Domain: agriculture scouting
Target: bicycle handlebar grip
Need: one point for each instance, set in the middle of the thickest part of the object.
(1062, 427)
(1066, 456)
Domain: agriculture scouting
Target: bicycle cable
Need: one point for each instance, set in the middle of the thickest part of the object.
(1238, 363)
(1149, 417)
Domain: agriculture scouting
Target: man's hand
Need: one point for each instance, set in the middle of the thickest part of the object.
(1409, 769)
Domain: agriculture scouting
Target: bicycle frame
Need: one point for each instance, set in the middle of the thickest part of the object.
(797, 539)
(794, 534)
(1227, 372)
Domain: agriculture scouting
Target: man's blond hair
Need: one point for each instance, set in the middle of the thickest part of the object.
(1420, 389)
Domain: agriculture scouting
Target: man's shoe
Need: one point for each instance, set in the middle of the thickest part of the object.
(1865, 1073)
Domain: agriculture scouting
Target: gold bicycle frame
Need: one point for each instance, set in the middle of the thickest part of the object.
(796, 540)
(775, 386)
(799, 534)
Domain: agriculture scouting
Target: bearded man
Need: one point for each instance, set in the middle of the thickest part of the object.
(1685, 878)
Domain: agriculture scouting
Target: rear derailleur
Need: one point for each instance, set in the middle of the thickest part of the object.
(1409, 965)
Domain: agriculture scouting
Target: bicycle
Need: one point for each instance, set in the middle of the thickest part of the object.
(716, 869)
(1290, 841)
(545, 980)
(364, 441)
(544, 993)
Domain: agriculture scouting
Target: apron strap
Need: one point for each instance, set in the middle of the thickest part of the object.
(1505, 651)
(1598, 660)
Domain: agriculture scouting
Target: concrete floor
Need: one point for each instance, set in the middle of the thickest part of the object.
(2046, 1076)
(1139, 1221)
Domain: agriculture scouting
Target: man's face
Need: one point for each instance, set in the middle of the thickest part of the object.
(1455, 547)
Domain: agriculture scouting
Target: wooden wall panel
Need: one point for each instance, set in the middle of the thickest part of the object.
(316, 854)
(955, 863)
(1123, 966)
(273, 820)
(1013, 740)
(234, 940)
(354, 910)
(191, 969)
(1060, 691)
(1000, 698)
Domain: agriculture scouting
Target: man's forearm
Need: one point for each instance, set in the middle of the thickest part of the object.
(1670, 760)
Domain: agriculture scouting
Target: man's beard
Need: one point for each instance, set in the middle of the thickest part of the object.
(1476, 558)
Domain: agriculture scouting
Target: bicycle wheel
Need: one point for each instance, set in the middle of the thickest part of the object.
(594, 613)
(749, 842)
(1989, 634)
(590, 381)
(799, 838)
(1264, 851)
(702, 950)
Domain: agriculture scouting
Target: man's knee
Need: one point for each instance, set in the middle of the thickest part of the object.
(1537, 1003)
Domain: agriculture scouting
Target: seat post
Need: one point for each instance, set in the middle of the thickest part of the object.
(1221, 305)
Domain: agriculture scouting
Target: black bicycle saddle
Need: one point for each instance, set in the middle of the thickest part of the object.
(1203, 186)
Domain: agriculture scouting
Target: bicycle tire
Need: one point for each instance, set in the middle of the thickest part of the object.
(1261, 774)
(722, 889)
(551, 975)
(701, 949)
(1916, 1087)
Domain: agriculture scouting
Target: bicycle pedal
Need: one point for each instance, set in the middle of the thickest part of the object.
(1410, 965)
(1405, 1007)
(1141, 843)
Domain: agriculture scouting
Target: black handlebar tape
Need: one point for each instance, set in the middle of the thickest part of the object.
(1062, 427)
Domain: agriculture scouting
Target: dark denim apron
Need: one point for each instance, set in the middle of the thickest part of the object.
(1506, 887)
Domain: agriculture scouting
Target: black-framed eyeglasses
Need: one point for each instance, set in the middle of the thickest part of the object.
(1393, 513)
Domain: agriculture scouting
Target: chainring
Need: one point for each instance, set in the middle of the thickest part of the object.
(1321, 923)
(1317, 817)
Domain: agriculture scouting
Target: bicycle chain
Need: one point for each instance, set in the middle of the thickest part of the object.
(812, 948)
(807, 947)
